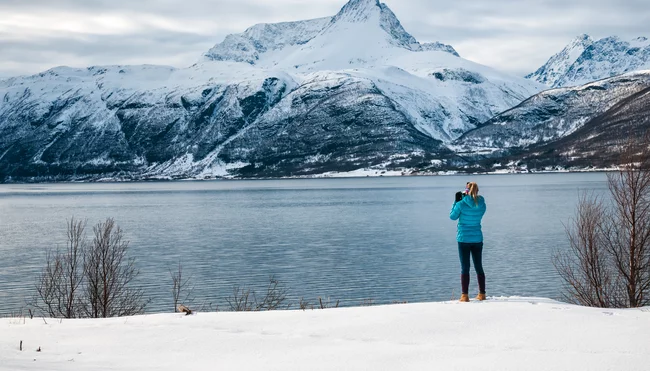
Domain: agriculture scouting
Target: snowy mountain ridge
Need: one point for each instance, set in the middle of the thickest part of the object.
(299, 98)
(265, 37)
(585, 60)
(267, 44)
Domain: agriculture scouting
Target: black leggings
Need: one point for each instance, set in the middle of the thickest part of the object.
(476, 251)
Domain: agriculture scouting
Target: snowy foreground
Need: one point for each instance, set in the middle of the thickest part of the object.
(499, 334)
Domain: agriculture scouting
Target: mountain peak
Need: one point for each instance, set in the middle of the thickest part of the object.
(585, 59)
(370, 11)
(581, 42)
(362, 31)
(357, 10)
(560, 63)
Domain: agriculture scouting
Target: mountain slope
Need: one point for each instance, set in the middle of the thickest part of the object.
(577, 127)
(552, 114)
(597, 144)
(558, 65)
(585, 60)
(96, 124)
(264, 38)
(332, 94)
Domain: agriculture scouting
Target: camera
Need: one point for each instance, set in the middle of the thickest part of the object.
(459, 196)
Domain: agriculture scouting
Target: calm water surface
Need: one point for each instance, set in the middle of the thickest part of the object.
(385, 239)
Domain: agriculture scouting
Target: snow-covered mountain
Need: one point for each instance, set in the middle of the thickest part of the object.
(269, 44)
(584, 124)
(585, 60)
(600, 143)
(263, 39)
(332, 94)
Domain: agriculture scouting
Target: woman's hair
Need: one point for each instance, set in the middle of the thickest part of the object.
(473, 191)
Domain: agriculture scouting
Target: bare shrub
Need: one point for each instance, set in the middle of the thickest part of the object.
(608, 260)
(16, 317)
(241, 300)
(58, 285)
(89, 279)
(586, 267)
(327, 303)
(304, 304)
(275, 296)
(109, 274)
(181, 288)
(207, 307)
(244, 299)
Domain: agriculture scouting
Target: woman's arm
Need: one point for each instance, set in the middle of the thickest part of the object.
(455, 211)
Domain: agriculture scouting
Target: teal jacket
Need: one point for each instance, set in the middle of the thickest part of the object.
(469, 217)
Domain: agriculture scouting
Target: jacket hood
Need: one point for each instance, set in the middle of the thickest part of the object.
(469, 200)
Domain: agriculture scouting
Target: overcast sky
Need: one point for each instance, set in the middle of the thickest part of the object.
(516, 36)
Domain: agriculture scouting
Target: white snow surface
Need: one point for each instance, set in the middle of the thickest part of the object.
(498, 334)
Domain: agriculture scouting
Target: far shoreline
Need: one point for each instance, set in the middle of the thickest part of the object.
(355, 174)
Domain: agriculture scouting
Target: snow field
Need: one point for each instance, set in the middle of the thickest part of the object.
(499, 334)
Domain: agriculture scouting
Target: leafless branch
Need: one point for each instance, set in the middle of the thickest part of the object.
(182, 289)
(608, 260)
(275, 296)
(58, 285)
(241, 300)
(109, 275)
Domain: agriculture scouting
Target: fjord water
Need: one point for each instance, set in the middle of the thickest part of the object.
(384, 239)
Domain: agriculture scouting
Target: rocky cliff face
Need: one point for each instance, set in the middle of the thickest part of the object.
(333, 94)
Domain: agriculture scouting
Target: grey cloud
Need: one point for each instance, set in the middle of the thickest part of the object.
(513, 35)
(519, 36)
(159, 47)
(186, 9)
(106, 47)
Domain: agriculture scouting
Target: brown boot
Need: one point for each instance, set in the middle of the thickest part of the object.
(464, 298)
(480, 297)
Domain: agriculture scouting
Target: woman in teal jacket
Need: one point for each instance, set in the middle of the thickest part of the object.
(469, 212)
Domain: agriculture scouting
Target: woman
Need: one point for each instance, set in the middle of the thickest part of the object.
(469, 211)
